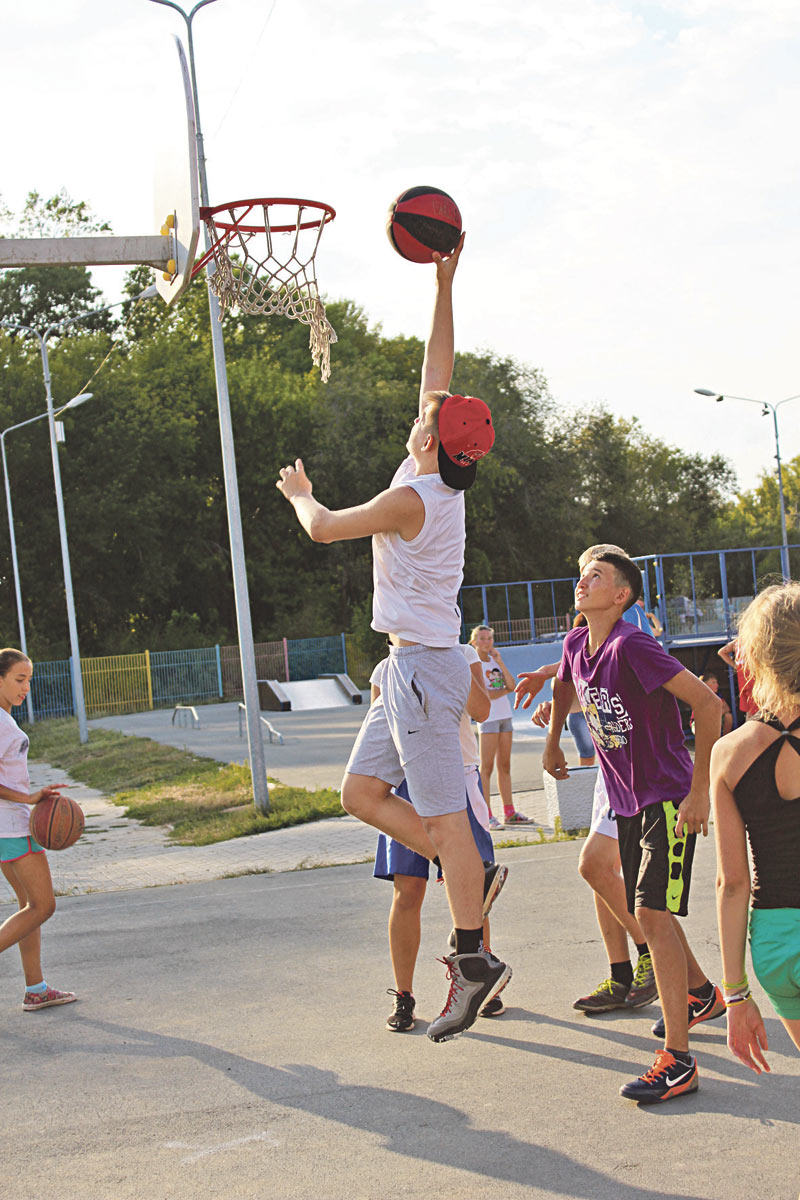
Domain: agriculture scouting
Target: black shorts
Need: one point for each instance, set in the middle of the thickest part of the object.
(656, 865)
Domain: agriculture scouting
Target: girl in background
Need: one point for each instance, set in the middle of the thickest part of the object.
(496, 733)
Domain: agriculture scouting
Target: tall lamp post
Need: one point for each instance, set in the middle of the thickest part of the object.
(13, 327)
(766, 408)
(23, 644)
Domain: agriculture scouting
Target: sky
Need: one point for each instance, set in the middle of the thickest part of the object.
(626, 171)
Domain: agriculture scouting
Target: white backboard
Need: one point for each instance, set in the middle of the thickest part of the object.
(177, 189)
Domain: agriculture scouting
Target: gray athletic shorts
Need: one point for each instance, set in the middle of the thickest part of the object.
(500, 725)
(412, 729)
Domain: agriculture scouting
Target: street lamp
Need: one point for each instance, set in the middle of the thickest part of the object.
(766, 408)
(13, 327)
(23, 645)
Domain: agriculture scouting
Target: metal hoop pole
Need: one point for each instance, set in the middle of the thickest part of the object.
(258, 765)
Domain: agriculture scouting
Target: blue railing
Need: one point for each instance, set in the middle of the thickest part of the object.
(180, 675)
(311, 657)
(51, 692)
(697, 596)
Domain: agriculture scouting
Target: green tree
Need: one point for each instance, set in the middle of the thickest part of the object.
(42, 296)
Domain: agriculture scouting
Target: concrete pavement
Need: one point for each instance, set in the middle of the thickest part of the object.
(229, 1040)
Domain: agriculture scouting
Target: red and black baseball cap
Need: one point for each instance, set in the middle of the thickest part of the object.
(466, 433)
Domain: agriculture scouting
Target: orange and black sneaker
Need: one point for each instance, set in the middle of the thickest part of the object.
(667, 1078)
(700, 1009)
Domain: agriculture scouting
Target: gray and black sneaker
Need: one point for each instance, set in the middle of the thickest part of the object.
(606, 996)
(494, 877)
(495, 1007)
(644, 989)
(401, 1019)
(475, 979)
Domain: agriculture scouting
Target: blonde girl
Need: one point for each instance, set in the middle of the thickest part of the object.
(755, 785)
(22, 860)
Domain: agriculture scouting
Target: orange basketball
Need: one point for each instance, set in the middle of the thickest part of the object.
(57, 822)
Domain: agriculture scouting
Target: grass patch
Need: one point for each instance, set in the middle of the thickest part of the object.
(559, 834)
(202, 800)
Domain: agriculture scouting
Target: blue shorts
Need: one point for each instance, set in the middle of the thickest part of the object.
(576, 723)
(393, 858)
(13, 848)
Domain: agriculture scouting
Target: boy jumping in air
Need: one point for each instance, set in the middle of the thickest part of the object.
(412, 730)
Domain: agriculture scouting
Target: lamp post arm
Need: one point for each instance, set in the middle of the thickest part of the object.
(788, 398)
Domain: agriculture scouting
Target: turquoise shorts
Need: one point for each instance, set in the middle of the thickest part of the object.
(775, 950)
(12, 848)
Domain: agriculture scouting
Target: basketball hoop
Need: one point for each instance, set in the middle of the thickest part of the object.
(267, 265)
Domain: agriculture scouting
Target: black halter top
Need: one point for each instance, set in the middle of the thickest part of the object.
(772, 823)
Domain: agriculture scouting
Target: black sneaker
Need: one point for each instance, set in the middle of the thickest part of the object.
(401, 1019)
(494, 1008)
(606, 996)
(666, 1079)
(699, 1010)
(474, 980)
(494, 877)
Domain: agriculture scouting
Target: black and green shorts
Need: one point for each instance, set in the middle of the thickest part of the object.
(656, 864)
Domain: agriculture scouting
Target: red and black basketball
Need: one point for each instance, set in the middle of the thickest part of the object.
(421, 220)
(56, 822)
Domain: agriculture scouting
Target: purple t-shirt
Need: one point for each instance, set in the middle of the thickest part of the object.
(634, 722)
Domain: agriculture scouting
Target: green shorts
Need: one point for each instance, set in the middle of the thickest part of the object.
(12, 848)
(775, 950)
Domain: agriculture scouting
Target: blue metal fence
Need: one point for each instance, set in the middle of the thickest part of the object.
(311, 657)
(180, 675)
(697, 597)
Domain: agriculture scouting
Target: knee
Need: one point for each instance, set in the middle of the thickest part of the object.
(408, 898)
(44, 909)
(590, 868)
(355, 797)
(653, 921)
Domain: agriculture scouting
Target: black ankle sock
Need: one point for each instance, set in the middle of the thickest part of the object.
(622, 972)
(436, 863)
(469, 941)
(705, 992)
(640, 950)
(681, 1056)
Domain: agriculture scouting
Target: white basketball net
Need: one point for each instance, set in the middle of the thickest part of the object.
(264, 272)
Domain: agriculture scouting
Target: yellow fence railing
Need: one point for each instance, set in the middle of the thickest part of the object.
(117, 683)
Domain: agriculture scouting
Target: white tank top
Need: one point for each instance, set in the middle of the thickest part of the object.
(416, 583)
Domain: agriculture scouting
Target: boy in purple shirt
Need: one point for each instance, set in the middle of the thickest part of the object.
(627, 686)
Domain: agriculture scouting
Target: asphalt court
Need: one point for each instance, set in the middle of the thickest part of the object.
(229, 1041)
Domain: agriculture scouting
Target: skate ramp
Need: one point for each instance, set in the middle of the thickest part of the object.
(316, 693)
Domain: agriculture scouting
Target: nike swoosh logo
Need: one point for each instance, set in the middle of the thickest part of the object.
(413, 731)
(670, 1082)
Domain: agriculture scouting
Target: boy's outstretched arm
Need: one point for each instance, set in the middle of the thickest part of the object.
(437, 365)
(397, 510)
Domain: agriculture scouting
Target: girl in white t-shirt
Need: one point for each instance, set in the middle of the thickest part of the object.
(22, 860)
(496, 733)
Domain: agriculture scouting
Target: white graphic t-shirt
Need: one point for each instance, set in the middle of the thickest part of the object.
(14, 743)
